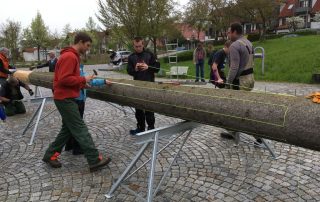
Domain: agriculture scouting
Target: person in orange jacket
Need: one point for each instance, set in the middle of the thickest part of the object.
(4, 65)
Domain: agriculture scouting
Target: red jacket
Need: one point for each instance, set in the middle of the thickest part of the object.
(67, 80)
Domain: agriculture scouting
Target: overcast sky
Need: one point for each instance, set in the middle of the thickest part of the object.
(55, 13)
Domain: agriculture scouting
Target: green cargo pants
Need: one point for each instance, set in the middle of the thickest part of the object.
(72, 125)
(16, 107)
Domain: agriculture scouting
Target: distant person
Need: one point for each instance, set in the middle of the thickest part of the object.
(218, 60)
(51, 63)
(72, 143)
(4, 65)
(11, 96)
(67, 84)
(142, 65)
(199, 55)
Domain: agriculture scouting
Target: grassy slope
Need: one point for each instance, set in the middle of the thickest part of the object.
(287, 60)
(290, 59)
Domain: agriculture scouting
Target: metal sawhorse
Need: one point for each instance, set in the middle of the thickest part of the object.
(38, 114)
(264, 144)
(145, 139)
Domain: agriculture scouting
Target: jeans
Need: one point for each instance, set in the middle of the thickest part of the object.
(200, 67)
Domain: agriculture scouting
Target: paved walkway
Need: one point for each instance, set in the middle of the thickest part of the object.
(208, 168)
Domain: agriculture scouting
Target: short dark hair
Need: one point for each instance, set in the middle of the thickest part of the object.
(236, 27)
(138, 38)
(228, 43)
(82, 36)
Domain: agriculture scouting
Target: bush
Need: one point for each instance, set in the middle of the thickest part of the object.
(300, 33)
(184, 56)
(219, 43)
(253, 37)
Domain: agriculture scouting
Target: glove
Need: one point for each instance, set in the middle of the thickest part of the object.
(30, 92)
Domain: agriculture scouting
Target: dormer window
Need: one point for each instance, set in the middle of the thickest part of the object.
(290, 6)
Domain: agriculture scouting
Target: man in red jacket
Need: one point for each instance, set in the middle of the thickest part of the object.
(67, 84)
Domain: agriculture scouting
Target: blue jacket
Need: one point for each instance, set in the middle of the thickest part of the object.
(93, 82)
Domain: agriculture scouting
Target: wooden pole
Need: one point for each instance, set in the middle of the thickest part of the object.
(289, 119)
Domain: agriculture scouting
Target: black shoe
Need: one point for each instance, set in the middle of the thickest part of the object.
(134, 132)
(258, 142)
(197, 80)
(77, 152)
(68, 147)
(100, 164)
(53, 163)
(150, 127)
(227, 135)
(202, 80)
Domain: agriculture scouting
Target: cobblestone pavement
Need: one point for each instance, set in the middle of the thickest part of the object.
(208, 168)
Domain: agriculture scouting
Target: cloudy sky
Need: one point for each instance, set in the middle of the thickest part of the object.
(55, 13)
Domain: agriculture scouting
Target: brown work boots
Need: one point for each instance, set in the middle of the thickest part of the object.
(54, 163)
(102, 162)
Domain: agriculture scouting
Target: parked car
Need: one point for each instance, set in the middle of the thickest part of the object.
(119, 56)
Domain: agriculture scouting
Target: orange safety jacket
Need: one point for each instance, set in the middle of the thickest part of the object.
(5, 63)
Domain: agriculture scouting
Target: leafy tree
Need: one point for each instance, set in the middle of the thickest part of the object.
(9, 36)
(295, 22)
(91, 26)
(263, 12)
(132, 18)
(196, 15)
(67, 38)
(36, 34)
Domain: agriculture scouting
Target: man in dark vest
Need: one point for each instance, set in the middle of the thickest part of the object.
(51, 63)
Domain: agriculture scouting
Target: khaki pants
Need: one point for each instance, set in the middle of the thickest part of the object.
(246, 82)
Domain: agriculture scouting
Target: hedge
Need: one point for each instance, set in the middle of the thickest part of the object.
(183, 56)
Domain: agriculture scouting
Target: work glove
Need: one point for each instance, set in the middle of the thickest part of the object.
(30, 92)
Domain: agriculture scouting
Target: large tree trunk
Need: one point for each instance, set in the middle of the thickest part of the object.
(289, 119)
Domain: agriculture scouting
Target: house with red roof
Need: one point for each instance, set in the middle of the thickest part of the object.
(302, 8)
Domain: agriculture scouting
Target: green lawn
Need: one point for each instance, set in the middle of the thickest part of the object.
(287, 60)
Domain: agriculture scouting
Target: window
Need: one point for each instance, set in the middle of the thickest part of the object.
(290, 6)
(304, 3)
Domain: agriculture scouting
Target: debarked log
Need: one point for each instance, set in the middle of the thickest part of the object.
(289, 119)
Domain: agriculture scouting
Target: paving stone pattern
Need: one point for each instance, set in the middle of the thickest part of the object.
(208, 168)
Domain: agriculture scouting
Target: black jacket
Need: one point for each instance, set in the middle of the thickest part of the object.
(5, 90)
(50, 64)
(149, 59)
